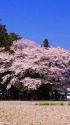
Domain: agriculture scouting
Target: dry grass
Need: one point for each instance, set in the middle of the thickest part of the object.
(34, 115)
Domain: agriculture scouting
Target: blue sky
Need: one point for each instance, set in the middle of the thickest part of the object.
(38, 19)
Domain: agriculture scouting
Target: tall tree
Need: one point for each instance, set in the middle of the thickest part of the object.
(46, 43)
(13, 36)
(3, 35)
(6, 39)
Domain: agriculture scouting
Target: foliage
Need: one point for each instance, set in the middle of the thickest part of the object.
(6, 39)
(14, 37)
(62, 104)
(51, 104)
(48, 104)
(7, 48)
(46, 43)
(69, 104)
(52, 66)
(45, 104)
(3, 35)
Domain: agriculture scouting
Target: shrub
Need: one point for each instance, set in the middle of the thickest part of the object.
(62, 104)
(69, 104)
(47, 104)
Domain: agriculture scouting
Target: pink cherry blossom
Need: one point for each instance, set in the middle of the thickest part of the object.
(33, 65)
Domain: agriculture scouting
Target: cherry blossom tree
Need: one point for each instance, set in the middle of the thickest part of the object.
(32, 66)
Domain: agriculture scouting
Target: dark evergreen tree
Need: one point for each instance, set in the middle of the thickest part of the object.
(46, 43)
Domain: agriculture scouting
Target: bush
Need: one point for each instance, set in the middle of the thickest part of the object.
(47, 104)
(69, 104)
(62, 104)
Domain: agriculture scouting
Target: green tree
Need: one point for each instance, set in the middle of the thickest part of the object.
(14, 37)
(46, 43)
(3, 35)
(6, 40)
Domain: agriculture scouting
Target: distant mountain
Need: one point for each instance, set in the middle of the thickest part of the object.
(31, 65)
